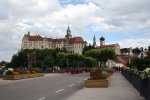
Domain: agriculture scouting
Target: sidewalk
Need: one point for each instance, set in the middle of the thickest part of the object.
(119, 89)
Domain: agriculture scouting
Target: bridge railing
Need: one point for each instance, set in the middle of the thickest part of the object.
(141, 85)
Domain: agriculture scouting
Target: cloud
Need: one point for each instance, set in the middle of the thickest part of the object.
(50, 18)
(142, 42)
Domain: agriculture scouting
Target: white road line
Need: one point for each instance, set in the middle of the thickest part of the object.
(42, 98)
(71, 85)
(79, 81)
(6, 83)
(59, 90)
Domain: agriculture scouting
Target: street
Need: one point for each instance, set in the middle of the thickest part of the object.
(52, 87)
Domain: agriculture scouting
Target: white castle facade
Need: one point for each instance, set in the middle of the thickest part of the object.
(73, 44)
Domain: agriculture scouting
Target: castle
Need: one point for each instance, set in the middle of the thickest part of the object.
(72, 44)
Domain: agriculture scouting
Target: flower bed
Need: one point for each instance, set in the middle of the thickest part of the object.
(97, 82)
(98, 78)
(16, 74)
(22, 76)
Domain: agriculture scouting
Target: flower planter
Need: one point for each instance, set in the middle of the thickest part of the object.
(23, 76)
(97, 83)
(12, 77)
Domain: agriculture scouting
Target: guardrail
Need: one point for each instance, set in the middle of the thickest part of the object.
(141, 85)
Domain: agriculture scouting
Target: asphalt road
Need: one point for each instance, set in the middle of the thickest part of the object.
(52, 87)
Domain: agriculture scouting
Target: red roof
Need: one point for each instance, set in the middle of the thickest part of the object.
(35, 38)
(39, 38)
(76, 40)
(121, 59)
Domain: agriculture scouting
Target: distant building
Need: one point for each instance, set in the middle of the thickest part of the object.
(126, 52)
(73, 44)
(123, 55)
(115, 47)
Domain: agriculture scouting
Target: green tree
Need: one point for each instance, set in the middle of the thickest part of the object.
(140, 64)
(87, 48)
(136, 50)
(101, 55)
(61, 59)
(48, 61)
(106, 54)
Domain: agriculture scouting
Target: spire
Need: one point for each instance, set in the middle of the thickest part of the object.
(94, 41)
(68, 33)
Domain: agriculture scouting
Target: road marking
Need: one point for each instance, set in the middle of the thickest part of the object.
(79, 81)
(5, 83)
(71, 85)
(59, 90)
(42, 98)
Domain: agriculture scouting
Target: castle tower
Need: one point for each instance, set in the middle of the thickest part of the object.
(102, 41)
(68, 36)
(94, 41)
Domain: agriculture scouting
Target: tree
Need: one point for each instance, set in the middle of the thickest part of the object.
(140, 64)
(101, 55)
(136, 50)
(87, 48)
(106, 54)
(48, 61)
(61, 57)
(90, 62)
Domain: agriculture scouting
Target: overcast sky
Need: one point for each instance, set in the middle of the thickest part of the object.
(126, 22)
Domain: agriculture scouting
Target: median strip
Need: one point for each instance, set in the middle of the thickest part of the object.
(42, 98)
(59, 90)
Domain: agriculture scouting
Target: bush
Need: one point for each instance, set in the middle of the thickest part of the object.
(145, 73)
(8, 72)
(38, 70)
(99, 74)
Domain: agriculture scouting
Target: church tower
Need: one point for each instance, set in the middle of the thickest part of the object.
(94, 41)
(102, 41)
(68, 36)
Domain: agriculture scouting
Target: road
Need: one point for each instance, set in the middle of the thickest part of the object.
(52, 87)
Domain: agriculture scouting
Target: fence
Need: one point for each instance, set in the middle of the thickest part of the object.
(141, 85)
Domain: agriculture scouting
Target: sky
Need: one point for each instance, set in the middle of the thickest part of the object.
(126, 22)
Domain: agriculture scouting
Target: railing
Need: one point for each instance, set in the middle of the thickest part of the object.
(141, 85)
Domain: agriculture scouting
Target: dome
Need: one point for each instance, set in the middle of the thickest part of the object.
(102, 38)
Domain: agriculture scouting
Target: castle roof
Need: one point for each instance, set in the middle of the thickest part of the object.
(39, 38)
(76, 40)
(35, 38)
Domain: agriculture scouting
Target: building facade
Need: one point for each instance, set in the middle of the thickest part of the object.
(115, 47)
(72, 44)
